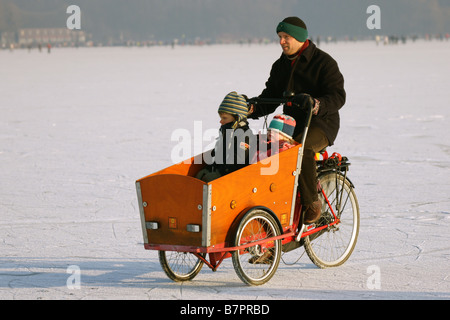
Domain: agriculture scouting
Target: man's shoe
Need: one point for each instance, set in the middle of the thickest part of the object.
(312, 212)
(266, 258)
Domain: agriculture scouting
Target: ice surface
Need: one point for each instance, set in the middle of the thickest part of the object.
(79, 126)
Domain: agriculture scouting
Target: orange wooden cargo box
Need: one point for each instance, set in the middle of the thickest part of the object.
(181, 213)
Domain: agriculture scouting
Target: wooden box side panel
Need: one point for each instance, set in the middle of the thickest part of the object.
(173, 202)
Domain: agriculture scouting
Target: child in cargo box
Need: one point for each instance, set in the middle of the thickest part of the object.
(236, 144)
(279, 134)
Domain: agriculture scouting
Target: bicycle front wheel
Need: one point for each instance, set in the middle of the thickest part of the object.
(180, 266)
(333, 246)
(255, 265)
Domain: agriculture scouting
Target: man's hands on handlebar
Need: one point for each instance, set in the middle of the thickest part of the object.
(305, 101)
(302, 100)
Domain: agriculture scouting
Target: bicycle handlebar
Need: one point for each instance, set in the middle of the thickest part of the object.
(288, 97)
(267, 101)
(287, 101)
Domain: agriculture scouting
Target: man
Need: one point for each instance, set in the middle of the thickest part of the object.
(314, 77)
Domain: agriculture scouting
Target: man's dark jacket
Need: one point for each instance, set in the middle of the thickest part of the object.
(315, 72)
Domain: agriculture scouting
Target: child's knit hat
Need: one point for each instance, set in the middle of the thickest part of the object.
(236, 105)
(283, 124)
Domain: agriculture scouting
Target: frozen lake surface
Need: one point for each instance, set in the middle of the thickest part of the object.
(79, 126)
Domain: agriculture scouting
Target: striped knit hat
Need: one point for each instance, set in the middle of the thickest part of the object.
(283, 124)
(236, 105)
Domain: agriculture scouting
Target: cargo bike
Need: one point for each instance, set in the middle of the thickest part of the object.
(251, 215)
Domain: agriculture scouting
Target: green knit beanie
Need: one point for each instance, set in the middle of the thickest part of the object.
(295, 27)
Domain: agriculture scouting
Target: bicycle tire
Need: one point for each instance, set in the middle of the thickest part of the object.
(180, 266)
(256, 265)
(334, 245)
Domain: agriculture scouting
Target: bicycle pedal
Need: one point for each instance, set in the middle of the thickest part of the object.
(300, 232)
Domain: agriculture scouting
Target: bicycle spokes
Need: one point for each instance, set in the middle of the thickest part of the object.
(334, 236)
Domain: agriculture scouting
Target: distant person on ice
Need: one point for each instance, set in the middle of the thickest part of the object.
(235, 146)
(314, 77)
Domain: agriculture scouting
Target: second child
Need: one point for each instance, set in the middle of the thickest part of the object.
(279, 135)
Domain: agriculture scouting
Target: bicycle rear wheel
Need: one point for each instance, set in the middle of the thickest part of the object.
(333, 246)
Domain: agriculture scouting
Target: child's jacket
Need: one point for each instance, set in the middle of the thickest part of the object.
(234, 148)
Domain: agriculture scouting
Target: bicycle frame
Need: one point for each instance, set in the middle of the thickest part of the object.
(220, 253)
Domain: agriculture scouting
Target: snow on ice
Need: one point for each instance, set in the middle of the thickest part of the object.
(79, 126)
